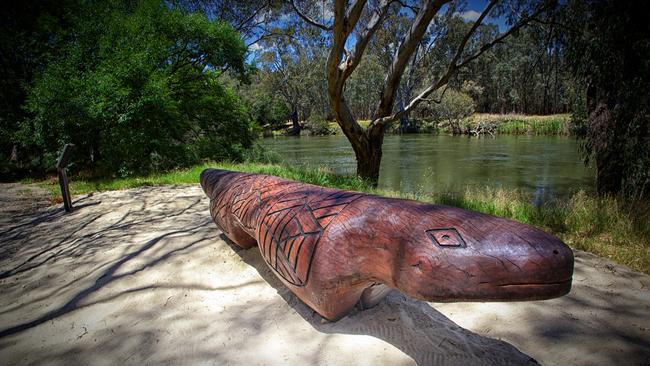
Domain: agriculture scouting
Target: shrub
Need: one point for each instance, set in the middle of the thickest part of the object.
(318, 126)
(137, 89)
(454, 106)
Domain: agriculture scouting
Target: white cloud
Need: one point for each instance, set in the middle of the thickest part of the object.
(255, 47)
(469, 15)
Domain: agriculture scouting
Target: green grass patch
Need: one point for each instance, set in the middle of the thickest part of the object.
(364, 123)
(610, 227)
(518, 124)
(318, 176)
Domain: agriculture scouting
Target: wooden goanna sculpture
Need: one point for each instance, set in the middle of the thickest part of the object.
(335, 249)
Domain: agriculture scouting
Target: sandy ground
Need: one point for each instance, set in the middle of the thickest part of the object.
(143, 277)
(20, 200)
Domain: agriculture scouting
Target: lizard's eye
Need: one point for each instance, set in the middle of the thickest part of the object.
(446, 237)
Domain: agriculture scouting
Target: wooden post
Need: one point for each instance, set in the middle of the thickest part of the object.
(61, 164)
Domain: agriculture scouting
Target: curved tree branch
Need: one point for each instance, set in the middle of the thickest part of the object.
(307, 19)
(454, 66)
(363, 38)
(504, 35)
(414, 9)
(404, 52)
(243, 23)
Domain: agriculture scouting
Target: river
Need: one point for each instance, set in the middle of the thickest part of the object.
(545, 166)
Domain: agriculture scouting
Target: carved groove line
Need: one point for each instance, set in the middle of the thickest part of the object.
(292, 227)
(287, 230)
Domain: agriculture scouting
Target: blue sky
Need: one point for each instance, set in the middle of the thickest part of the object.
(474, 9)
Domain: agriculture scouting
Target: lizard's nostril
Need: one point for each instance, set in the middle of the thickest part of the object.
(555, 251)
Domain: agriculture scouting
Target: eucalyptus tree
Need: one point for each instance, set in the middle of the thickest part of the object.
(351, 28)
(527, 73)
(362, 87)
(609, 47)
(429, 53)
(292, 67)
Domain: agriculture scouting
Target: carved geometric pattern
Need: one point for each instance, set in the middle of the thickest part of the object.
(224, 199)
(292, 227)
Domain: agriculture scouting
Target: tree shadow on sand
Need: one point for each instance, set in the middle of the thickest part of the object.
(83, 237)
(412, 326)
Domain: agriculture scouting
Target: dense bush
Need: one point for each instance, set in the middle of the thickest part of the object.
(269, 111)
(454, 106)
(137, 89)
(318, 126)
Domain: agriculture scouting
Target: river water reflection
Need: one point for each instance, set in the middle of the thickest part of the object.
(545, 166)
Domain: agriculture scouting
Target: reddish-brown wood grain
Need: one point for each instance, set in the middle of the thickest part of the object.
(336, 248)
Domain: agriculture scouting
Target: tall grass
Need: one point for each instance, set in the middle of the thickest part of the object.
(610, 227)
(517, 124)
(508, 124)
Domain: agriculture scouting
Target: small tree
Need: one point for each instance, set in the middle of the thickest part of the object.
(453, 107)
